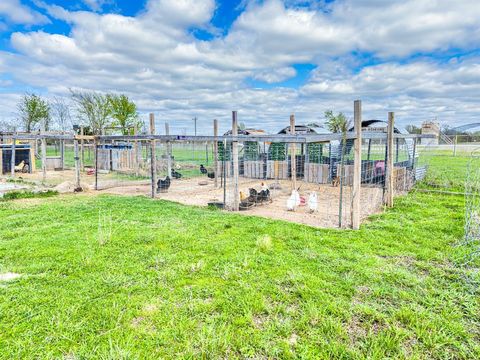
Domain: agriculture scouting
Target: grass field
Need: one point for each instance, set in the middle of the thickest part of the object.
(106, 277)
(116, 277)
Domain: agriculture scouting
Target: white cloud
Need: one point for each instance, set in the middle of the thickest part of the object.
(17, 13)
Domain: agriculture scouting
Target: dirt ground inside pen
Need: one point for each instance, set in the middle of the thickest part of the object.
(190, 192)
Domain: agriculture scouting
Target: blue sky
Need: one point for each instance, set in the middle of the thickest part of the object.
(266, 59)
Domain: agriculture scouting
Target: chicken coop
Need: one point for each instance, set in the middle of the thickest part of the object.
(300, 173)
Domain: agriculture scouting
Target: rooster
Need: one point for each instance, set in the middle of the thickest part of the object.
(163, 185)
(203, 170)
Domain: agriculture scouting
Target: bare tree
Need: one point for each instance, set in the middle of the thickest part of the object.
(94, 108)
(33, 110)
(61, 113)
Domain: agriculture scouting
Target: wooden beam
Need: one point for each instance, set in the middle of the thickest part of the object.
(293, 154)
(389, 162)
(357, 166)
(236, 190)
(215, 151)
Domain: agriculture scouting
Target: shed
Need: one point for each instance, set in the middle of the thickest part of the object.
(23, 153)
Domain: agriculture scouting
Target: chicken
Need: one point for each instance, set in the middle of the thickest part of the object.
(175, 174)
(163, 185)
(211, 175)
(203, 169)
(243, 196)
(293, 201)
(312, 202)
(20, 166)
(264, 194)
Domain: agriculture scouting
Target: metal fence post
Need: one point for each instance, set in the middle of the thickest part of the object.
(236, 194)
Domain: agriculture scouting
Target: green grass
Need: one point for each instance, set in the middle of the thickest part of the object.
(27, 194)
(115, 277)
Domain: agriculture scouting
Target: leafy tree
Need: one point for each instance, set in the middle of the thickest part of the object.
(336, 123)
(33, 110)
(124, 112)
(94, 108)
(277, 151)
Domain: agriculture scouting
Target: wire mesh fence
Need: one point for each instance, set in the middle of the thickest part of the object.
(305, 181)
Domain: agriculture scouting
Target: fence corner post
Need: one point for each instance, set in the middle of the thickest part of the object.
(357, 166)
(77, 163)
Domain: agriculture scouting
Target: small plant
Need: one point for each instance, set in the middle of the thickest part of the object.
(14, 195)
(105, 228)
(264, 243)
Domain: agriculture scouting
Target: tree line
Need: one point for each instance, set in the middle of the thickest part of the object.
(96, 111)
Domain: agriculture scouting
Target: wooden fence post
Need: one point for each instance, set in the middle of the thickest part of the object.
(153, 157)
(215, 151)
(77, 163)
(136, 152)
(44, 153)
(357, 166)
(95, 155)
(62, 152)
(389, 165)
(236, 190)
(169, 151)
(12, 158)
(82, 149)
(293, 156)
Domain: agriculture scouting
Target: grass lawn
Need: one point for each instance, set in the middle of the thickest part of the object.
(127, 277)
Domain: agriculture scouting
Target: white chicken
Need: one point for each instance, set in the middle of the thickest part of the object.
(312, 202)
(293, 201)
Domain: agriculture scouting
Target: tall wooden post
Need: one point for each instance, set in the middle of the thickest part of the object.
(82, 143)
(236, 190)
(77, 163)
(293, 155)
(153, 157)
(357, 165)
(169, 151)
(136, 152)
(62, 152)
(389, 164)
(95, 159)
(12, 158)
(44, 153)
(215, 151)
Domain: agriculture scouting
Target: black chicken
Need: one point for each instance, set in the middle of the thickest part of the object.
(176, 174)
(211, 175)
(264, 195)
(203, 169)
(163, 185)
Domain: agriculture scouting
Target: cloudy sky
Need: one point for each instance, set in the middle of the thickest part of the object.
(266, 59)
